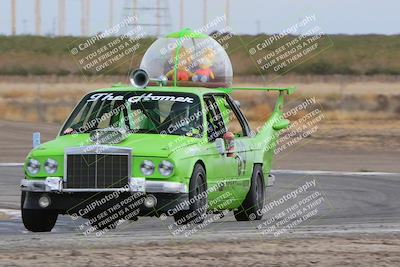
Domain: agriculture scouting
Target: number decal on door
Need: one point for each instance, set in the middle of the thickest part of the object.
(240, 157)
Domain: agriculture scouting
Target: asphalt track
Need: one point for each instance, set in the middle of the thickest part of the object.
(348, 204)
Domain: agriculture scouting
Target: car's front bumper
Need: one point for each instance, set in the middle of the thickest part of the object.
(169, 196)
(55, 184)
(79, 202)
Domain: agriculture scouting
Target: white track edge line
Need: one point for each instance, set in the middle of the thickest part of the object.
(305, 172)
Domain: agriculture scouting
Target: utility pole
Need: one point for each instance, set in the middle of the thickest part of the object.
(83, 17)
(205, 12)
(61, 17)
(227, 11)
(181, 14)
(87, 26)
(13, 17)
(85, 7)
(158, 15)
(24, 28)
(38, 18)
(258, 27)
(134, 6)
(111, 13)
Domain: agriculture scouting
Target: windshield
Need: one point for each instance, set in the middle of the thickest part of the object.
(137, 112)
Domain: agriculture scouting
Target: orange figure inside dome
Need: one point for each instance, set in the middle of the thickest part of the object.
(184, 62)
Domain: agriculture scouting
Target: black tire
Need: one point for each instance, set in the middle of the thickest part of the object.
(37, 220)
(198, 209)
(254, 201)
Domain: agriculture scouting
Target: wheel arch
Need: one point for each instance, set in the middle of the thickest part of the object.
(201, 162)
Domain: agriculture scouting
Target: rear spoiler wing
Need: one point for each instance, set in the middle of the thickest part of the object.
(287, 90)
(279, 100)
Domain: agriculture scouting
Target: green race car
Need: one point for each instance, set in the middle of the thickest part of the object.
(175, 143)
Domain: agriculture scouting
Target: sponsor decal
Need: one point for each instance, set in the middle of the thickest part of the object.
(140, 98)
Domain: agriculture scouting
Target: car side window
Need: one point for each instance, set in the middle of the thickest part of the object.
(231, 120)
(215, 123)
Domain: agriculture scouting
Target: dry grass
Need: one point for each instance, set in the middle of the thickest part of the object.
(358, 116)
(51, 99)
(319, 88)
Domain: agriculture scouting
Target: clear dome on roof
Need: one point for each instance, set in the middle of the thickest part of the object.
(188, 58)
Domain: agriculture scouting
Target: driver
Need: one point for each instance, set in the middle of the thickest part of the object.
(178, 120)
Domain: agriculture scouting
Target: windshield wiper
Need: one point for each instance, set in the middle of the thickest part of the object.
(145, 131)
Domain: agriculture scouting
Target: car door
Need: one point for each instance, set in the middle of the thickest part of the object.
(243, 157)
(221, 170)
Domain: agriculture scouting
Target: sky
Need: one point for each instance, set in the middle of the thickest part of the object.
(245, 17)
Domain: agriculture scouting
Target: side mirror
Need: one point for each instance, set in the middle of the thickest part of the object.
(282, 124)
(220, 145)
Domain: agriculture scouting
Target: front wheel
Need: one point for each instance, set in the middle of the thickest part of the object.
(37, 220)
(251, 207)
(198, 196)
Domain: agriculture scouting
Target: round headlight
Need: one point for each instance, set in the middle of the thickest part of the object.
(33, 166)
(165, 168)
(147, 167)
(50, 166)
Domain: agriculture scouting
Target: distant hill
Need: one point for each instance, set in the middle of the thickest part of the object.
(336, 54)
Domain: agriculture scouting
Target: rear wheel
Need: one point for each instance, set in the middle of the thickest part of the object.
(37, 220)
(198, 192)
(251, 207)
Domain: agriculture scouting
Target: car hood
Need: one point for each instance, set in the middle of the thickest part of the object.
(155, 145)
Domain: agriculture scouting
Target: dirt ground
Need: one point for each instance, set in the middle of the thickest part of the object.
(4, 216)
(360, 250)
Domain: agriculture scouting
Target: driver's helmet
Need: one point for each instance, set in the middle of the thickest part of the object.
(188, 58)
(179, 114)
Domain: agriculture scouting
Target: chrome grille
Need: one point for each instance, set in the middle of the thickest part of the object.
(87, 169)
